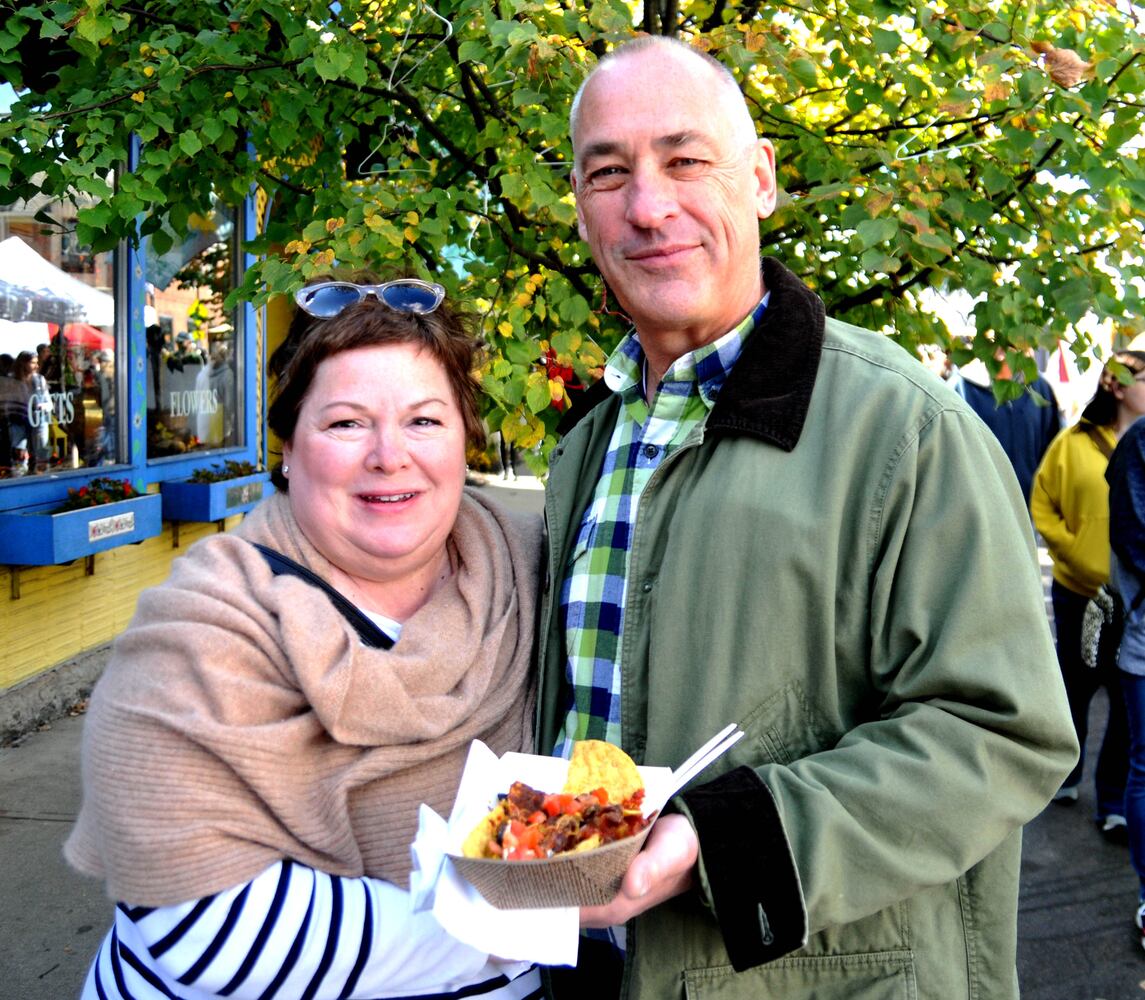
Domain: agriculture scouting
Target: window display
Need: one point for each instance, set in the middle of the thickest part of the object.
(192, 350)
(58, 385)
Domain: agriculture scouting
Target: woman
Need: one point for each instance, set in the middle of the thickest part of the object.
(39, 409)
(252, 767)
(16, 397)
(1070, 508)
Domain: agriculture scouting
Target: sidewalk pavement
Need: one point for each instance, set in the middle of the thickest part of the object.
(1078, 892)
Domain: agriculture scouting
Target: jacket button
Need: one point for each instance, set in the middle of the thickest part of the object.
(650, 451)
(647, 588)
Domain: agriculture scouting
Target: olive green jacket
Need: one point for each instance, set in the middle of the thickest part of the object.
(840, 561)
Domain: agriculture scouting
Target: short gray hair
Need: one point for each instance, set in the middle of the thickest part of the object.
(745, 125)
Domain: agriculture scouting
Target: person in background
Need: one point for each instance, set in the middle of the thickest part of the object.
(103, 372)
(23, 369)
(256, 751)
(1070, 508)
(1025, 426)
(39, 413)
(13, 420)
(747, 522)
(1126, 478)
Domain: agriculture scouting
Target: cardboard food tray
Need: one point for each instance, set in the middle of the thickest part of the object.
(588, 878)
(585, 878)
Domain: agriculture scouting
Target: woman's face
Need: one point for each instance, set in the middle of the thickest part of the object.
(1131, 397)
(377, 463)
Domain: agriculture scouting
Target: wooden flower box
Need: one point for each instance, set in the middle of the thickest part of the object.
(35, 536)
(187, 501)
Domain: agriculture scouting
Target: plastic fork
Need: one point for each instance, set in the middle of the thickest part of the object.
(716, 747)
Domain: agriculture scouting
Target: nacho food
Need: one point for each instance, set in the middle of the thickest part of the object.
(600, 803)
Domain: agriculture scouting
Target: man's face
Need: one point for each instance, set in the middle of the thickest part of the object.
(669, 193)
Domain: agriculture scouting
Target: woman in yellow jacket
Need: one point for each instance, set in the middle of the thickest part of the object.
(1070, 508)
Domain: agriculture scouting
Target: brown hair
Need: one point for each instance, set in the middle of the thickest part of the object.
(310, 341)
(1102, 408)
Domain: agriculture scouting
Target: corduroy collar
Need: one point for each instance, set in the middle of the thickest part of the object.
(769, 390)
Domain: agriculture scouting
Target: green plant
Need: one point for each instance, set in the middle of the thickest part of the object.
(99, 491)
(987, 147)
(228, 470)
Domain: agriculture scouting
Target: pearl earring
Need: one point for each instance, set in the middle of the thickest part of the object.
(286, 470)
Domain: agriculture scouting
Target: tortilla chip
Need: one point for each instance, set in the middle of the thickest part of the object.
(477, 842)
(596, 764)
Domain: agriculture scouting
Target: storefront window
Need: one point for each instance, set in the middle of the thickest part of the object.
(193, 354)
(58, 360)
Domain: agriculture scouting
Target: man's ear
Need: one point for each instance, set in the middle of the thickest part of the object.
(579, 215)
(763, 168)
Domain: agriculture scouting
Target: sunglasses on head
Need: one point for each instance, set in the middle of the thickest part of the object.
(408, 295)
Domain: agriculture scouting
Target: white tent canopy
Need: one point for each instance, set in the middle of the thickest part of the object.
(17, 337)
(21, 266)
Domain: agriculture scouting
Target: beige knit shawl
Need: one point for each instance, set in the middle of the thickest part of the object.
(240, 720)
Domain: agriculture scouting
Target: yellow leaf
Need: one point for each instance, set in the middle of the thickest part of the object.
(999, 90)
(879, 202)
(522, 299)
(754, 40)
(410, 234)
(505, 328)
(332, 224)
(412, 218)
(138, 97)
(297, 246)
(1066, 67)
(148, 70)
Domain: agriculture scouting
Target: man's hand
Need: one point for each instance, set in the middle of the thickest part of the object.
(661, 870)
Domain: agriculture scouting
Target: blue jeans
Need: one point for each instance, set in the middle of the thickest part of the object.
(1081, 684)
(1134, 687)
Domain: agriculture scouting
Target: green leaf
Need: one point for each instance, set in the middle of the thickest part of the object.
(885, 41)
(875, 231)
(190, 143)
(94, 28)
(331, 61)
(537, 397)
(932, 240)
(805, 71)
(471, 51)
(876, 261)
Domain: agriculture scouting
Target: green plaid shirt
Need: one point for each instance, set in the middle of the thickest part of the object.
(596, 578)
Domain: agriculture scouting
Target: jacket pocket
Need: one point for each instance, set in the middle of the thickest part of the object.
(882, 975)
(784, 727)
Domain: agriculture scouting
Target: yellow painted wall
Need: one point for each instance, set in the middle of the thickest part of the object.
(62, 612)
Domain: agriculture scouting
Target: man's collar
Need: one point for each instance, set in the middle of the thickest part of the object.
(707, 365)
(769, 390)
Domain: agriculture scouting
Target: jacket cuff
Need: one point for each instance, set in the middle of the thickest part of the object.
(750, 872)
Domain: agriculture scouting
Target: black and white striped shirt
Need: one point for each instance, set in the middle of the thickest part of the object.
(294, 933)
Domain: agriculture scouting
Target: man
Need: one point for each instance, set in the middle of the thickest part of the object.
(1126, 477)
(748, 526)
(1023, 426)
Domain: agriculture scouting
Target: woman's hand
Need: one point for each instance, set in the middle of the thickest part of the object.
(661, 870)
